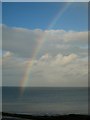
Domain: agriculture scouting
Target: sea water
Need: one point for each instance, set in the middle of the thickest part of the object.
(45, 100)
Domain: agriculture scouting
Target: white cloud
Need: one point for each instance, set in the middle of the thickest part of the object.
(12, 70)
(58, 57)
(7, 54)
(76, 36)
(63, 60)
(25, 42)
(45, 57)
(74, 74)
(44, 73)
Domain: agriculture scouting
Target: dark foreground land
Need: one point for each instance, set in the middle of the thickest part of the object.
(10, 116)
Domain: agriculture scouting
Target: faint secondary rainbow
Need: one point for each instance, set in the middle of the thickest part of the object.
(42, 40)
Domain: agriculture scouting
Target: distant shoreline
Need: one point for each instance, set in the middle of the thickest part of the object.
(46, 87)
(10, 116)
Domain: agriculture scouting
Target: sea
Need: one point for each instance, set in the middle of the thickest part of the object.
(45, 100)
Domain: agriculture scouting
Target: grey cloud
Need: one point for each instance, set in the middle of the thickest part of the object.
(68, 71)
(25, 42)
(61, 57)
(19, 41)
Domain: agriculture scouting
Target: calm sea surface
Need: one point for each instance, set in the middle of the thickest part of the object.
(45, 100)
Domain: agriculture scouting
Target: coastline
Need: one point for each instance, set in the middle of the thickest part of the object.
(12, 116)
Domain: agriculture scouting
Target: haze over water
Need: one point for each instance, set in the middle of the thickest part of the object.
(46, 100)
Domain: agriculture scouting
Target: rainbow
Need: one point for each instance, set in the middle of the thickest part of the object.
(30, 64)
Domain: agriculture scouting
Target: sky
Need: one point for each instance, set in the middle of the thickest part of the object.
(40, 15)
(45, 44)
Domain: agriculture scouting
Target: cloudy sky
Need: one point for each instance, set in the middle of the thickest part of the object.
(45, 44)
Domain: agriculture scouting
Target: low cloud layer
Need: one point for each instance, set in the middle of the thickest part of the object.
(59, 57)
(46, 71)
(25, 42)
